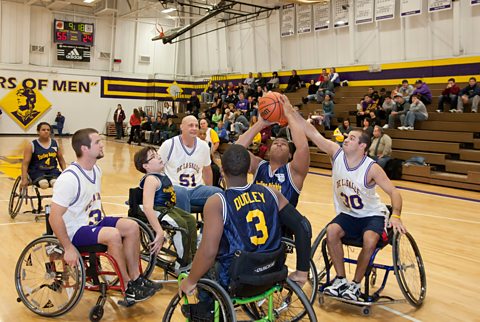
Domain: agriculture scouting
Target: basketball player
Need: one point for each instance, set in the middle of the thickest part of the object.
(40, 159)
(77, 220)
(360, 212)
(187, 164)
(287, 177)
(243, 217)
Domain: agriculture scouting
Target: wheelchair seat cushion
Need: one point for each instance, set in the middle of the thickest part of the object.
(254, 273)
(97, 248)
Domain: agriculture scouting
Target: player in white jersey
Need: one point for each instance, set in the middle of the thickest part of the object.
(187, 164)
(360, 213)
(77, 220)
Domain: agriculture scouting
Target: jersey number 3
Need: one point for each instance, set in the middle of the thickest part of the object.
(354, 201)
(260, 227)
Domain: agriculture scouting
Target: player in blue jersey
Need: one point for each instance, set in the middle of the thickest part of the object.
(285, 171)
(41, 159)
(243, 217)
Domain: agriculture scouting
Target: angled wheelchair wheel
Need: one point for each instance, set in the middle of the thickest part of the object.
(147, 259)
(409, 269)
(310, 288)
(209, 303)
(16, 198)
(44, 282)
(318, 257)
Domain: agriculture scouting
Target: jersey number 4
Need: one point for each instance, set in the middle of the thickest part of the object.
(187, 180)
(261, 227)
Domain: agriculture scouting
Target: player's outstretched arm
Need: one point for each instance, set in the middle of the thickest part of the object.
(247, 138)
(322, 143)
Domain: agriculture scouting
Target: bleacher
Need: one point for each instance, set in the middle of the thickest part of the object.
(449, 142)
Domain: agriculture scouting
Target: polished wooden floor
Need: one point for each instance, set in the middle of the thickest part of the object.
(446, 228)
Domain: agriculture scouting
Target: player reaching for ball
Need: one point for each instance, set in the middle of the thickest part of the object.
(270, 107)
(285, 172)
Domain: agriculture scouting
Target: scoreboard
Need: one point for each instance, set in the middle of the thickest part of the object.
(73, 33)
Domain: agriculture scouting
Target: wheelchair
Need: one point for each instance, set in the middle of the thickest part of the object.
(407, 266)
(258, 285)
(49, 287)
(20, 196)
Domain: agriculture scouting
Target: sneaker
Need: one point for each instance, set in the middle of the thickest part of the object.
(145, 282)
(137, 293)
(352, 292)
(385, 126)
(474, 111)
(337, 288)
(459, 111)
(401, 128)
(409, 128)
(453, 111)
(439, 111)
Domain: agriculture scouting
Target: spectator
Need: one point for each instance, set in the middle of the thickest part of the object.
(417, 112)
(135, 121)
(217, 101)
(142, 112)
(231, 98)
(274, 82)
(258, 93)
(387, 107)
(423, 92)
(118, 118)
(449, 95)
(229, 119)
(241, 123)
(382, 95)
(167, 109)
(242, 104)
(193, 104)
(334, 77)
(326, 88)
(328, 111)
(211, 136)
(207, 95)
(406, 90)
(312, 92)
(367, 126)
(60, 121)
(366, 106)
(293, 83)
(469, 95)
(381, 148)
(323, 76)
(171, 128)
(259, 81)
(247, 83)
(399, 111)
(222, 132)
(159, 129)
(217, 117)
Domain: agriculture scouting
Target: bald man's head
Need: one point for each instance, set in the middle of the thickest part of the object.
(189, 127)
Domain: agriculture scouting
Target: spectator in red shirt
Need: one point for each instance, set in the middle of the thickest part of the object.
(135, 121)
(449, 95)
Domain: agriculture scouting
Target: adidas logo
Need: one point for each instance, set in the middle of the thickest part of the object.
(74, 54)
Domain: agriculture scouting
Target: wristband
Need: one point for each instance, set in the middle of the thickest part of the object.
(396, 216)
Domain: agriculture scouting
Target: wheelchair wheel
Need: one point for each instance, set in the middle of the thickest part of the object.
(210, 303)
(147, 259)
(96, 313)
(310, 288)
(16, 198)
(44, 282)
(409, 269)
(319, 258)
(290, 304)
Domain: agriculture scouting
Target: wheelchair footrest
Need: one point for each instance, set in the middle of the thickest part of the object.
(198, 312)
(126, 303)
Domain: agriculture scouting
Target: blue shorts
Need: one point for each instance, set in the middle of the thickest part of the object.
(354, 227)
(37, 175)
(88, 235)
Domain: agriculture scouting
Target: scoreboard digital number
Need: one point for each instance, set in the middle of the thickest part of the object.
(73, 33)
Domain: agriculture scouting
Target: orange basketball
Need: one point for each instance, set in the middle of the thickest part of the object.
(270, 108)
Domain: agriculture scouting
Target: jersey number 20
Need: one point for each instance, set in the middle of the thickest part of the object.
(260, 227)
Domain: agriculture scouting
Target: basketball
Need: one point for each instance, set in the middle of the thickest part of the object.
(270, 108)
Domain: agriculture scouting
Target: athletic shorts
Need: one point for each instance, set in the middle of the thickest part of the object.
(88, 235)
(354, 227)
(37, 175)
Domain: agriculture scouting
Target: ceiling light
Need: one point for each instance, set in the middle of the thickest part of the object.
(168, 10)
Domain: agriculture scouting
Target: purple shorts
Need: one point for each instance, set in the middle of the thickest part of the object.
(88, 235)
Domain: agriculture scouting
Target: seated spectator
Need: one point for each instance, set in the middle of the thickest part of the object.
(193, 104)
(342, 131)
(242, 104)
(257, 139)
(59, 122)
(328, 111)
(247, 83)
(217, 117)
(373, 94)
(223, 90)
(423, 92)
(207, 95)
(449, 95)
(231, 98)
(469, 95)
(316, 118)
(274, 82)
(417, 112)
(237, 90)
(211, 136)
(406, 90)
(323, 76)
(382, 94)
(229, 118)
(147, 128)
(252, 109)
(334, 77)
(38, 169)
(399, 111)
(241, 123)
(259, 81)
(396, 91)
(222, 132)
(367, 126)
(160, 131)
(217, 101)
(381, 148)
(294, 83)
(325, 88)
(312, 92)
(387, 107)
(167, 109)
(172, 129)
(366, 106)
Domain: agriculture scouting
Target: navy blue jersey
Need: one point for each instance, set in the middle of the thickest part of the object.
(250, 223)
(43, 159)
(280, 180)
(165, 194)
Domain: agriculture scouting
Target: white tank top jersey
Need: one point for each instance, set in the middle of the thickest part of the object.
(352, 193)
(78, 190)
(184, 165)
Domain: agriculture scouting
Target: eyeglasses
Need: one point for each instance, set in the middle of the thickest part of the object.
(154, 156)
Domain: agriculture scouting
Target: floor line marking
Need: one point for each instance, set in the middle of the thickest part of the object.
(403, 315)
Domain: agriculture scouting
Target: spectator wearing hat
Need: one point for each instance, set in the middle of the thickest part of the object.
(399, 111)
(417, 112)
(423, 92)
(449, 95)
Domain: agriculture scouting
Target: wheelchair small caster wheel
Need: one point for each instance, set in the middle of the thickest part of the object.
(96, 313)
(19, 300)
(321, 299)
(366, 311)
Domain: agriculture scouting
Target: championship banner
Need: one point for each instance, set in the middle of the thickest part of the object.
(410, 8)
(363, 11)
(304, 19)
(287, 22)
(384, 10)
(321, 16)
(73, 53)
(340, 13)
(436, 5)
